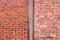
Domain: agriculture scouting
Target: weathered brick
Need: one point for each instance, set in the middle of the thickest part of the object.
(46, 19)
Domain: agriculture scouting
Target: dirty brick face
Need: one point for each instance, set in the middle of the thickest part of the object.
(13, 20)
(47, 20)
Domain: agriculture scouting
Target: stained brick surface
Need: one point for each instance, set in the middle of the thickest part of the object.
(47, 20)
(13, 20)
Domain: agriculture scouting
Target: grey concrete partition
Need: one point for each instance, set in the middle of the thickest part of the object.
(30, 15)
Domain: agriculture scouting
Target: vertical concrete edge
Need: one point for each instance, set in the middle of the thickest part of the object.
(30, 17)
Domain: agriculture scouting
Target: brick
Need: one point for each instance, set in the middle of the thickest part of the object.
(46, 19)
(13, 20)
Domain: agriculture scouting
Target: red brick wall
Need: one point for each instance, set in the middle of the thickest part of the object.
(13, 20)
(47, 20)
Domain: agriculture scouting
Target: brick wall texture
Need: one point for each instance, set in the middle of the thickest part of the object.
(13, 20)
(46, 19)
